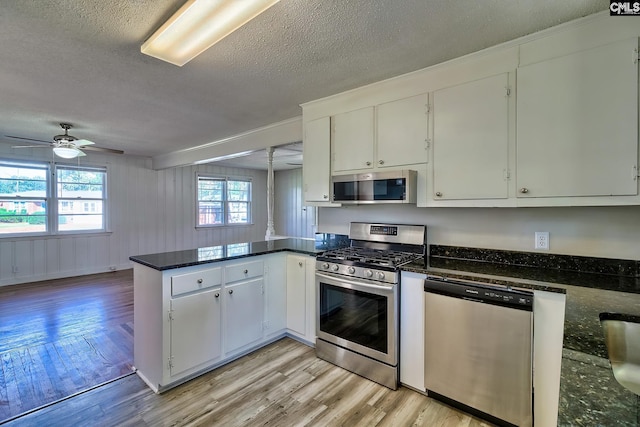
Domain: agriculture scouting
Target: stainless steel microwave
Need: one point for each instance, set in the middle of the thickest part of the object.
(375, 187)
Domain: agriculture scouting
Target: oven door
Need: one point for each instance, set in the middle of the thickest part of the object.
(358, 315)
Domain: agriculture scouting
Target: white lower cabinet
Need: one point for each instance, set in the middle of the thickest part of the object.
(301, 297)
(412, 330)
(296, 295)
(243, 314)
(193, 319)
(196, 337)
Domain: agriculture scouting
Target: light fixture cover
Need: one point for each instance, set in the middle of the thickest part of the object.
(198, 25)
(66, 152)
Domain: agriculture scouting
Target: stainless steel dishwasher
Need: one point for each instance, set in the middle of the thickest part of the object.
(478, 349)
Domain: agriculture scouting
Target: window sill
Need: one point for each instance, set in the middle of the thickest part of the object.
(211, 227)
(69, 234)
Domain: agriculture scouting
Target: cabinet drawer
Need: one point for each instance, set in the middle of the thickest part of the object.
(233, 273)
(185, 283)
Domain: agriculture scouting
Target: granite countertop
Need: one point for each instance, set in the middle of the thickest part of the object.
(480, 273)
(178, 259)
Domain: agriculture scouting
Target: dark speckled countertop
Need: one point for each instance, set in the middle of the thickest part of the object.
(178, 259)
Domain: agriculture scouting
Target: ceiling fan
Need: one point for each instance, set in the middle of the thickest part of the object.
(66, 146)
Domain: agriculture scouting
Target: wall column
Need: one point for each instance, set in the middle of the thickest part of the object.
(270, 195)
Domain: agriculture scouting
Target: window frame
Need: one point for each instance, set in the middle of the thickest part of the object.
(225, 200)
(52, 199)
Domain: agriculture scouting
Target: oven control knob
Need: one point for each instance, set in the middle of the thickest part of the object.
(351, 270)
(380, 275)
(325, 265)
(368, 273)
(334, 267)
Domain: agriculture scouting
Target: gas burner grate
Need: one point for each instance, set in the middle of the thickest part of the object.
(374, 257)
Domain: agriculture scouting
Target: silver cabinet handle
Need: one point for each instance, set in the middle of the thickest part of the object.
(368, 163)
(217, 295)
(230, 291)
(524, 190)
(300, 263)
(438, 194)
(199, 281)
(381, 162)
(246, 271)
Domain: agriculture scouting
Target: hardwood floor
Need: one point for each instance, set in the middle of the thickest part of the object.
(63, 336)
(283, 384)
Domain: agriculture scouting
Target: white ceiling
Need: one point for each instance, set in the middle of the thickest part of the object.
(79, 61)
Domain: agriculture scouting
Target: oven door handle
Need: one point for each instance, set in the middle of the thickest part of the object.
(359, 283)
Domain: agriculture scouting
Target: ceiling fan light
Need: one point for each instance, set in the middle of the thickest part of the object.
(66, 152)
(198, 25)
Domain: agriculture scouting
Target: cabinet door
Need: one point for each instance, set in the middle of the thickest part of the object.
(352, 139)
(244, 313)
(577, 124)
(402, 132)
(275, 285)
(195, 330)
(316, 168)
(296, 294)
(470, 140)
(311, 298)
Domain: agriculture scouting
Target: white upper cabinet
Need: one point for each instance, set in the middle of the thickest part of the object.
(391, 134)
(402, 132)
(316, 178)
(471, 139)
(352, 140)
(577, 129)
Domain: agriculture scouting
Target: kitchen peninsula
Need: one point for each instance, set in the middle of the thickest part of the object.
(197, 309)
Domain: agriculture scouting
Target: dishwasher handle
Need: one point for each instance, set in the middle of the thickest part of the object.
(481, 293)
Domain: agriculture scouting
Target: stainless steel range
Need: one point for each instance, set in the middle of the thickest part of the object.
(358, 298)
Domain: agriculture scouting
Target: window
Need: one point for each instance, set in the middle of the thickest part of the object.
(24, 196)
(223, 201)
(35, 201)
(81, 198)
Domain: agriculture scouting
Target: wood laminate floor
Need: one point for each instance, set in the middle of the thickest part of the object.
(283, 384)
(60, 337)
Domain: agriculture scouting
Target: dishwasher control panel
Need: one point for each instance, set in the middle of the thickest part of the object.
(481, 292)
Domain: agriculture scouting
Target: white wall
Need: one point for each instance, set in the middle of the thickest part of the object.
(150, 211)
(608, 232)
(291, 218)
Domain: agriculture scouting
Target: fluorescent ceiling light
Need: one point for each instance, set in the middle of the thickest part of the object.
(198, 25)
(67, 152)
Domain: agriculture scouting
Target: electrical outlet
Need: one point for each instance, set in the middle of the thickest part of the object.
(542, 240)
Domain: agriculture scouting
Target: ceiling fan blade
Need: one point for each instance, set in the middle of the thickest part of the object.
(29, 139)
(104, 150)
(82, 142)
(81, 153)
(29, 146)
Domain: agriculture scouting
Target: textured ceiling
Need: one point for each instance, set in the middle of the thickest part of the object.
(79, 61)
